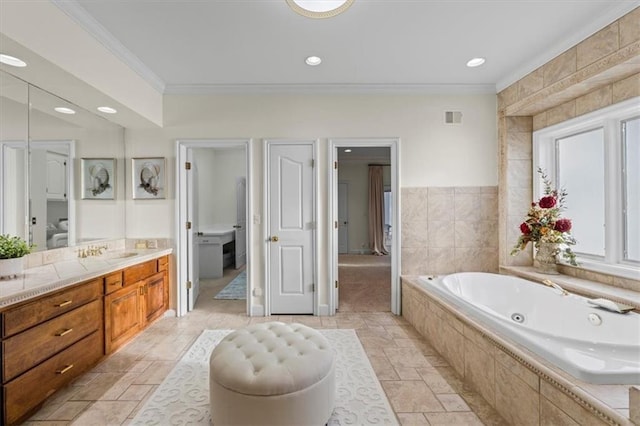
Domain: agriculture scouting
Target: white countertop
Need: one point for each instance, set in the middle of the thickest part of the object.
(55, 276)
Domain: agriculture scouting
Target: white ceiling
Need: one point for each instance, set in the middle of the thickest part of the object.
(191, 46)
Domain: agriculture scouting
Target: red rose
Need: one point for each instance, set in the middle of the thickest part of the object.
(562, 225)
(524, 228)
(547, 202)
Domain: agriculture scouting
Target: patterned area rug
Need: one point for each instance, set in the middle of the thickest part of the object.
(236, 289)
(183, 397)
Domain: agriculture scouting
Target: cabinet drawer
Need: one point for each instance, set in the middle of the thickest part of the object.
(113, 282)
(49, 306)
(27, 391)
(27, 349)
(136, 273)
(163, 263)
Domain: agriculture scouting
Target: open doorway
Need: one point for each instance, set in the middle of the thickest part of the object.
(364, 254)
(213, 198)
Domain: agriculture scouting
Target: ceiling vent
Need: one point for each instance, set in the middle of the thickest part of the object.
(453, 117)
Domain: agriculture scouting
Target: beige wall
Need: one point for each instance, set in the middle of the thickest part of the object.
(431, 152)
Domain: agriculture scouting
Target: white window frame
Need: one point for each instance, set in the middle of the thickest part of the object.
(544, 156)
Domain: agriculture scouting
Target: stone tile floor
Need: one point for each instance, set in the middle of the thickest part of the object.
(422, 388)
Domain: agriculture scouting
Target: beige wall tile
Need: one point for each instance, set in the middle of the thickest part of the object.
(627, 283)
(568, 405)
(414, 204)
(531, 83)
(519, 124)
(414, 234)
(626, 89)
(515, 400)
(441, 260)
(599, 45)
(415, 261)
(476, 259)
(561, 113)
(453, 350)
(519, 201)
(629, 28)
(479, 233)
(519, 174)
(466, 206)
(634, 404)
(519, 146)
(594, 100)
(550, 415)
(508, 96)
(515, 367)
(477, 339)
(440, 234)
(467, 190)
(440, 204)
(479, 371)
(540, 121)
(560, 67)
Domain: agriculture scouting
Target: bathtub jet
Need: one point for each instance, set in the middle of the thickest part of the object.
(591, 344)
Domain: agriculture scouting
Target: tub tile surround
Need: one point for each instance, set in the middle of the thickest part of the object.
(517, 383)
(449, 229)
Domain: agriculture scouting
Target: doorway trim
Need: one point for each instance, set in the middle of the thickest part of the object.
(182, 145)
(265, 214)
(394, 145)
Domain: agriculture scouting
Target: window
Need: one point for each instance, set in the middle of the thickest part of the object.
(596, 158)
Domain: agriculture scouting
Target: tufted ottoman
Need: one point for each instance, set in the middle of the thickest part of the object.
(272, 374)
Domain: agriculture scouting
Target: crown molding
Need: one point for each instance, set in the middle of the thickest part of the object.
(76, 12)
(581, 34)
(213, 89)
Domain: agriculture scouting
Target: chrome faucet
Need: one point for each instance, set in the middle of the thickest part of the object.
(550, 283)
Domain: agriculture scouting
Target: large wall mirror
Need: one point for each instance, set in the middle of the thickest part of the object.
(47, 197)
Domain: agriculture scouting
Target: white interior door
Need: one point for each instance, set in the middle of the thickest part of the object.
(343, 218)
(241, 222)
(193, 265)
(290, 226)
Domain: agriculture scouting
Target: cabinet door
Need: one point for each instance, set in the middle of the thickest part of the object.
(154, 296)
(123, 315)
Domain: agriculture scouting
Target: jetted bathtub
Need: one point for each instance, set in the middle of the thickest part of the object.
(592, 344)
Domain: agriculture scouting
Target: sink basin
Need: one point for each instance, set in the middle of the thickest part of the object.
(121, 255)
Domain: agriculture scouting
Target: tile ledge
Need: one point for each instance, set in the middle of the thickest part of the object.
(578, 285)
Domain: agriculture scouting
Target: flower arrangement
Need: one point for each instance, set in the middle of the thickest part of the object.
(13, 247)
(543, 223)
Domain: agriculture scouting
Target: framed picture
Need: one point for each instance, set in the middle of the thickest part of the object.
(98, 178)
(148, 178)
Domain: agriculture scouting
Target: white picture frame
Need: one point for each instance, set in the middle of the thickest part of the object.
(98, 178)
(148, 178)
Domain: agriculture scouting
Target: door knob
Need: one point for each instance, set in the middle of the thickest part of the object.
(274, 239)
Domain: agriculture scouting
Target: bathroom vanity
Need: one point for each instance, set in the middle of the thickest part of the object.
(54, 330)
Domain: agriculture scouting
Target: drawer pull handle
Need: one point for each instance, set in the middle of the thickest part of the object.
(65, 369)
(63, 304)
(63, 333)
(116, 283)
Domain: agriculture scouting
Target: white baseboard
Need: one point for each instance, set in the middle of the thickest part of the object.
(323, 310)
(170, 313)
(257, 310)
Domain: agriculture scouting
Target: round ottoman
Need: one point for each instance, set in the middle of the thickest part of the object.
(272, 374)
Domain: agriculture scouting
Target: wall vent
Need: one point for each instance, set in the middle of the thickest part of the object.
(453, 117)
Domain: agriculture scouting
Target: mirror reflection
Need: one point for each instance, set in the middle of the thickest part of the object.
(43, 139)
(14, 115)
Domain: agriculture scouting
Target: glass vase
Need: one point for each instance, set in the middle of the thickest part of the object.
(546, 258)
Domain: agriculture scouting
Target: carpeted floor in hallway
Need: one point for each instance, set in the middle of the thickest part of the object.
(365, 283)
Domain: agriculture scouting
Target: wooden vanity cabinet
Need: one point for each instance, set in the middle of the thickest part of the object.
(46, 343)
(143, 297)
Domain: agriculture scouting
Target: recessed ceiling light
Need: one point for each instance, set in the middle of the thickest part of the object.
(347, 150)
(313, 60)
(11, 60)
(64, 110)
(107, 110)
(475, 62)
(319, 8)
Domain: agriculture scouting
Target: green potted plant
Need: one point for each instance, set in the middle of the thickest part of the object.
(12, 250)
